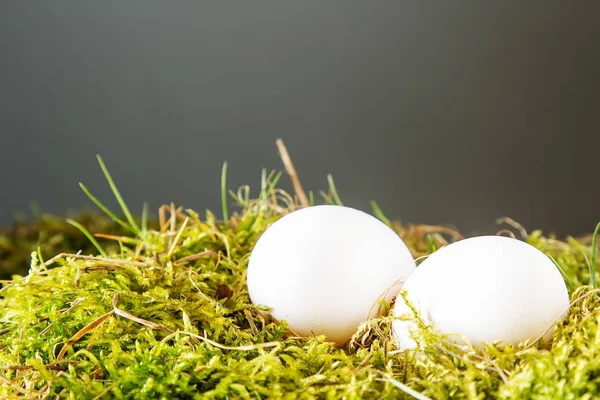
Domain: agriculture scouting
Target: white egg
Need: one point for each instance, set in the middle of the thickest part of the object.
(485, 288)
(323, 269)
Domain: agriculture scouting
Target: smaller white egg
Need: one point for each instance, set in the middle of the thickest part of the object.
(322, 269)
(485, 288)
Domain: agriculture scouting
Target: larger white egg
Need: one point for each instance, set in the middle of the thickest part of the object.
(485, 288)
(323, 269)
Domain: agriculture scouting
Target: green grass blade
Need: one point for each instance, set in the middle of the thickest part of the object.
(568, 281)
(334, 192)
(311, 198)
(145, 218)
(247, 198)
(40, 257)
(275, 180)
(326, 197)
(88, 235)
(431, 245)
(235, 197)
(593, 263)
(379, 214)
(408, 390)
(117, 194)
(122, 249)
(263, 185)
(224, 192)
(104, 208)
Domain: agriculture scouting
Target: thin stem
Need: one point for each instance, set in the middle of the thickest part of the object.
(145, 218)
(88, 235)
(117, 194)
(334, 192)
(224, 192)
(105, 209)
(289, 167)
(566, 278)
(408, 390)
(379, 214)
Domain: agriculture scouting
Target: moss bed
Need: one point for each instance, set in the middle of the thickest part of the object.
(164, 313)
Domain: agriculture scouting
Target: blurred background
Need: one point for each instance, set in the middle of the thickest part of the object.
(443, 114)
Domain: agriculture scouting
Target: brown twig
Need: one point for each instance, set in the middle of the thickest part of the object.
(240, 348)
(179, 214)
(162, 218)
(514, 224)
(14, 385)
(250, 320)
(82, 332)
(364, 362)
(506, 231)
(91, 258)
(421, 230)
(124, 239)
(139, 320)
(53, 366)
(289, 167)
(197, 256)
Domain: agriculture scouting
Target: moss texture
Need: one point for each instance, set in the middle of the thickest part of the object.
(53, 235)
(166, 314)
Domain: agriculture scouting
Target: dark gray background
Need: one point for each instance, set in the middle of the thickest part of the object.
(443, 113)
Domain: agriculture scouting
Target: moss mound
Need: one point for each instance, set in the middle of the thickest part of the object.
(165, 314)
(53, 235)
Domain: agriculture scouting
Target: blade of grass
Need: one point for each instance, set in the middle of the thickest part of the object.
(263, 185)
(123, 239)
(568, 281)
(39, 254)
(41, 259)
(224, 192)
(326, 197)
(334, 192)
(82, 332)
(145, 218)
(124, 250)
(593, 263)
(379, 214)
(275, 180)
(247, 199)
(268, 183)
(105, 209)
(235, 197)
(117, 194)
(88, 235)
(431, 245)
(408, 390)
(311, 198)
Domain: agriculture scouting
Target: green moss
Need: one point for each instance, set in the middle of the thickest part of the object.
(53, 234)
(167, 315)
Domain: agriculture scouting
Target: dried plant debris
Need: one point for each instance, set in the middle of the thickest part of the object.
(165, 314)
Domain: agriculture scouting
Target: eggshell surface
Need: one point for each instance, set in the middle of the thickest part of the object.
(323, 269)
(485, 288)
